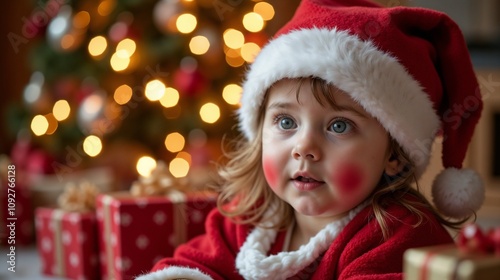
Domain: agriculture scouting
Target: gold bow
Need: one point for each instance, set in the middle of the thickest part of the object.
(78, 198)
(159, 182)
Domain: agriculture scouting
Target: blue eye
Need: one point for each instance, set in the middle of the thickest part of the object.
(286, 123)
(340, 126)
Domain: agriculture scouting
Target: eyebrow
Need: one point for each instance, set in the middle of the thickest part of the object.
(339, 108)
(280, 105)
(351, 109)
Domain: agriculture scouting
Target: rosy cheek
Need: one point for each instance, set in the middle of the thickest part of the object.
(348, 177)
(270, 171)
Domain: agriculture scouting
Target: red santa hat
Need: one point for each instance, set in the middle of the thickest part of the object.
(408, 67)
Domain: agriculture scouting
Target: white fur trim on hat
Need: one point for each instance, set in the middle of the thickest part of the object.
(175, 272)
(458, 193)
(376, 80)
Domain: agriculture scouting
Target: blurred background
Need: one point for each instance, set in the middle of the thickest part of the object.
(123, 83)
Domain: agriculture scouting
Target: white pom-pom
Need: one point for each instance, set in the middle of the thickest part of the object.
(457, 193)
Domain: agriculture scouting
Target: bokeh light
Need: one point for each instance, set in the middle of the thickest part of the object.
(199, 45)
(33, 90)
(186, 156)
(233, 58)
(145, 165)
(97, 45)
(92, 145)
(155, 90)
(197, 138)
(253, 22)
(67, 41)
(127, 45)
(106, 7)
(120, 60)
(91, 106)
(123, 94)
(61, 110)
(210, 112)
(39, 125)
(265, 10)
(52, 124)
(81, 20)
(249, 51)
(233, 38)
(232, 94)
(174, 142)
(170, 98)
(179, 167)
(186, 23)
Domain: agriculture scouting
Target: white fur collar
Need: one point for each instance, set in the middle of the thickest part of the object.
(175, 272)
(252, 261)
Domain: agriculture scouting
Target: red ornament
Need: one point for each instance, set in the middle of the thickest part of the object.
(123, 28)
(30, 160)
(20, 152)
(66, 88)
(134, 33)
(494, 235)
(118, 31)
(190, 83)
(39, 162)
(472, 240)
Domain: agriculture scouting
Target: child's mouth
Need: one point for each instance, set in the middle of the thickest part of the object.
(305, 179)
(303, 183)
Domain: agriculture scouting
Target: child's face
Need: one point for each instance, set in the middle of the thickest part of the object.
(322, 161)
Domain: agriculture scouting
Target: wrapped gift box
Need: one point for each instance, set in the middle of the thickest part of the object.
(21, 214)
(67, 243)
(136, 232)
(448, 262)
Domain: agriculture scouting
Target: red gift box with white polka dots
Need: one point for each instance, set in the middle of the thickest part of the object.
(67, 243)
(135, 232)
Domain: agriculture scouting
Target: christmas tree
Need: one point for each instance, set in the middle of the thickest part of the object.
(121, 82)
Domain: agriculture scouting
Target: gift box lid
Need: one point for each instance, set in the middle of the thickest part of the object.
(444, 261)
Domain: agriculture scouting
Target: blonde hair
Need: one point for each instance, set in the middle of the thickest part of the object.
(245, 194)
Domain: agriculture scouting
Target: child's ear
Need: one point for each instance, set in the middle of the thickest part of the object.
(393, 166)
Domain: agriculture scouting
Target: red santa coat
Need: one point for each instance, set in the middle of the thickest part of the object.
(355, 250)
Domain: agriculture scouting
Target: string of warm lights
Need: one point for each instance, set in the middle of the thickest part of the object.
(69, 28)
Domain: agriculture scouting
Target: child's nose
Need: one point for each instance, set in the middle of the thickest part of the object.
(307, 147)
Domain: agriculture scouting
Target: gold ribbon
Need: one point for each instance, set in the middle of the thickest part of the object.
(159, 183)
(180, 220)
(106, 203)
(56, 220)
(78, 198)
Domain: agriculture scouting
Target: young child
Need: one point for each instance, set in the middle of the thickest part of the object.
(338, 114)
